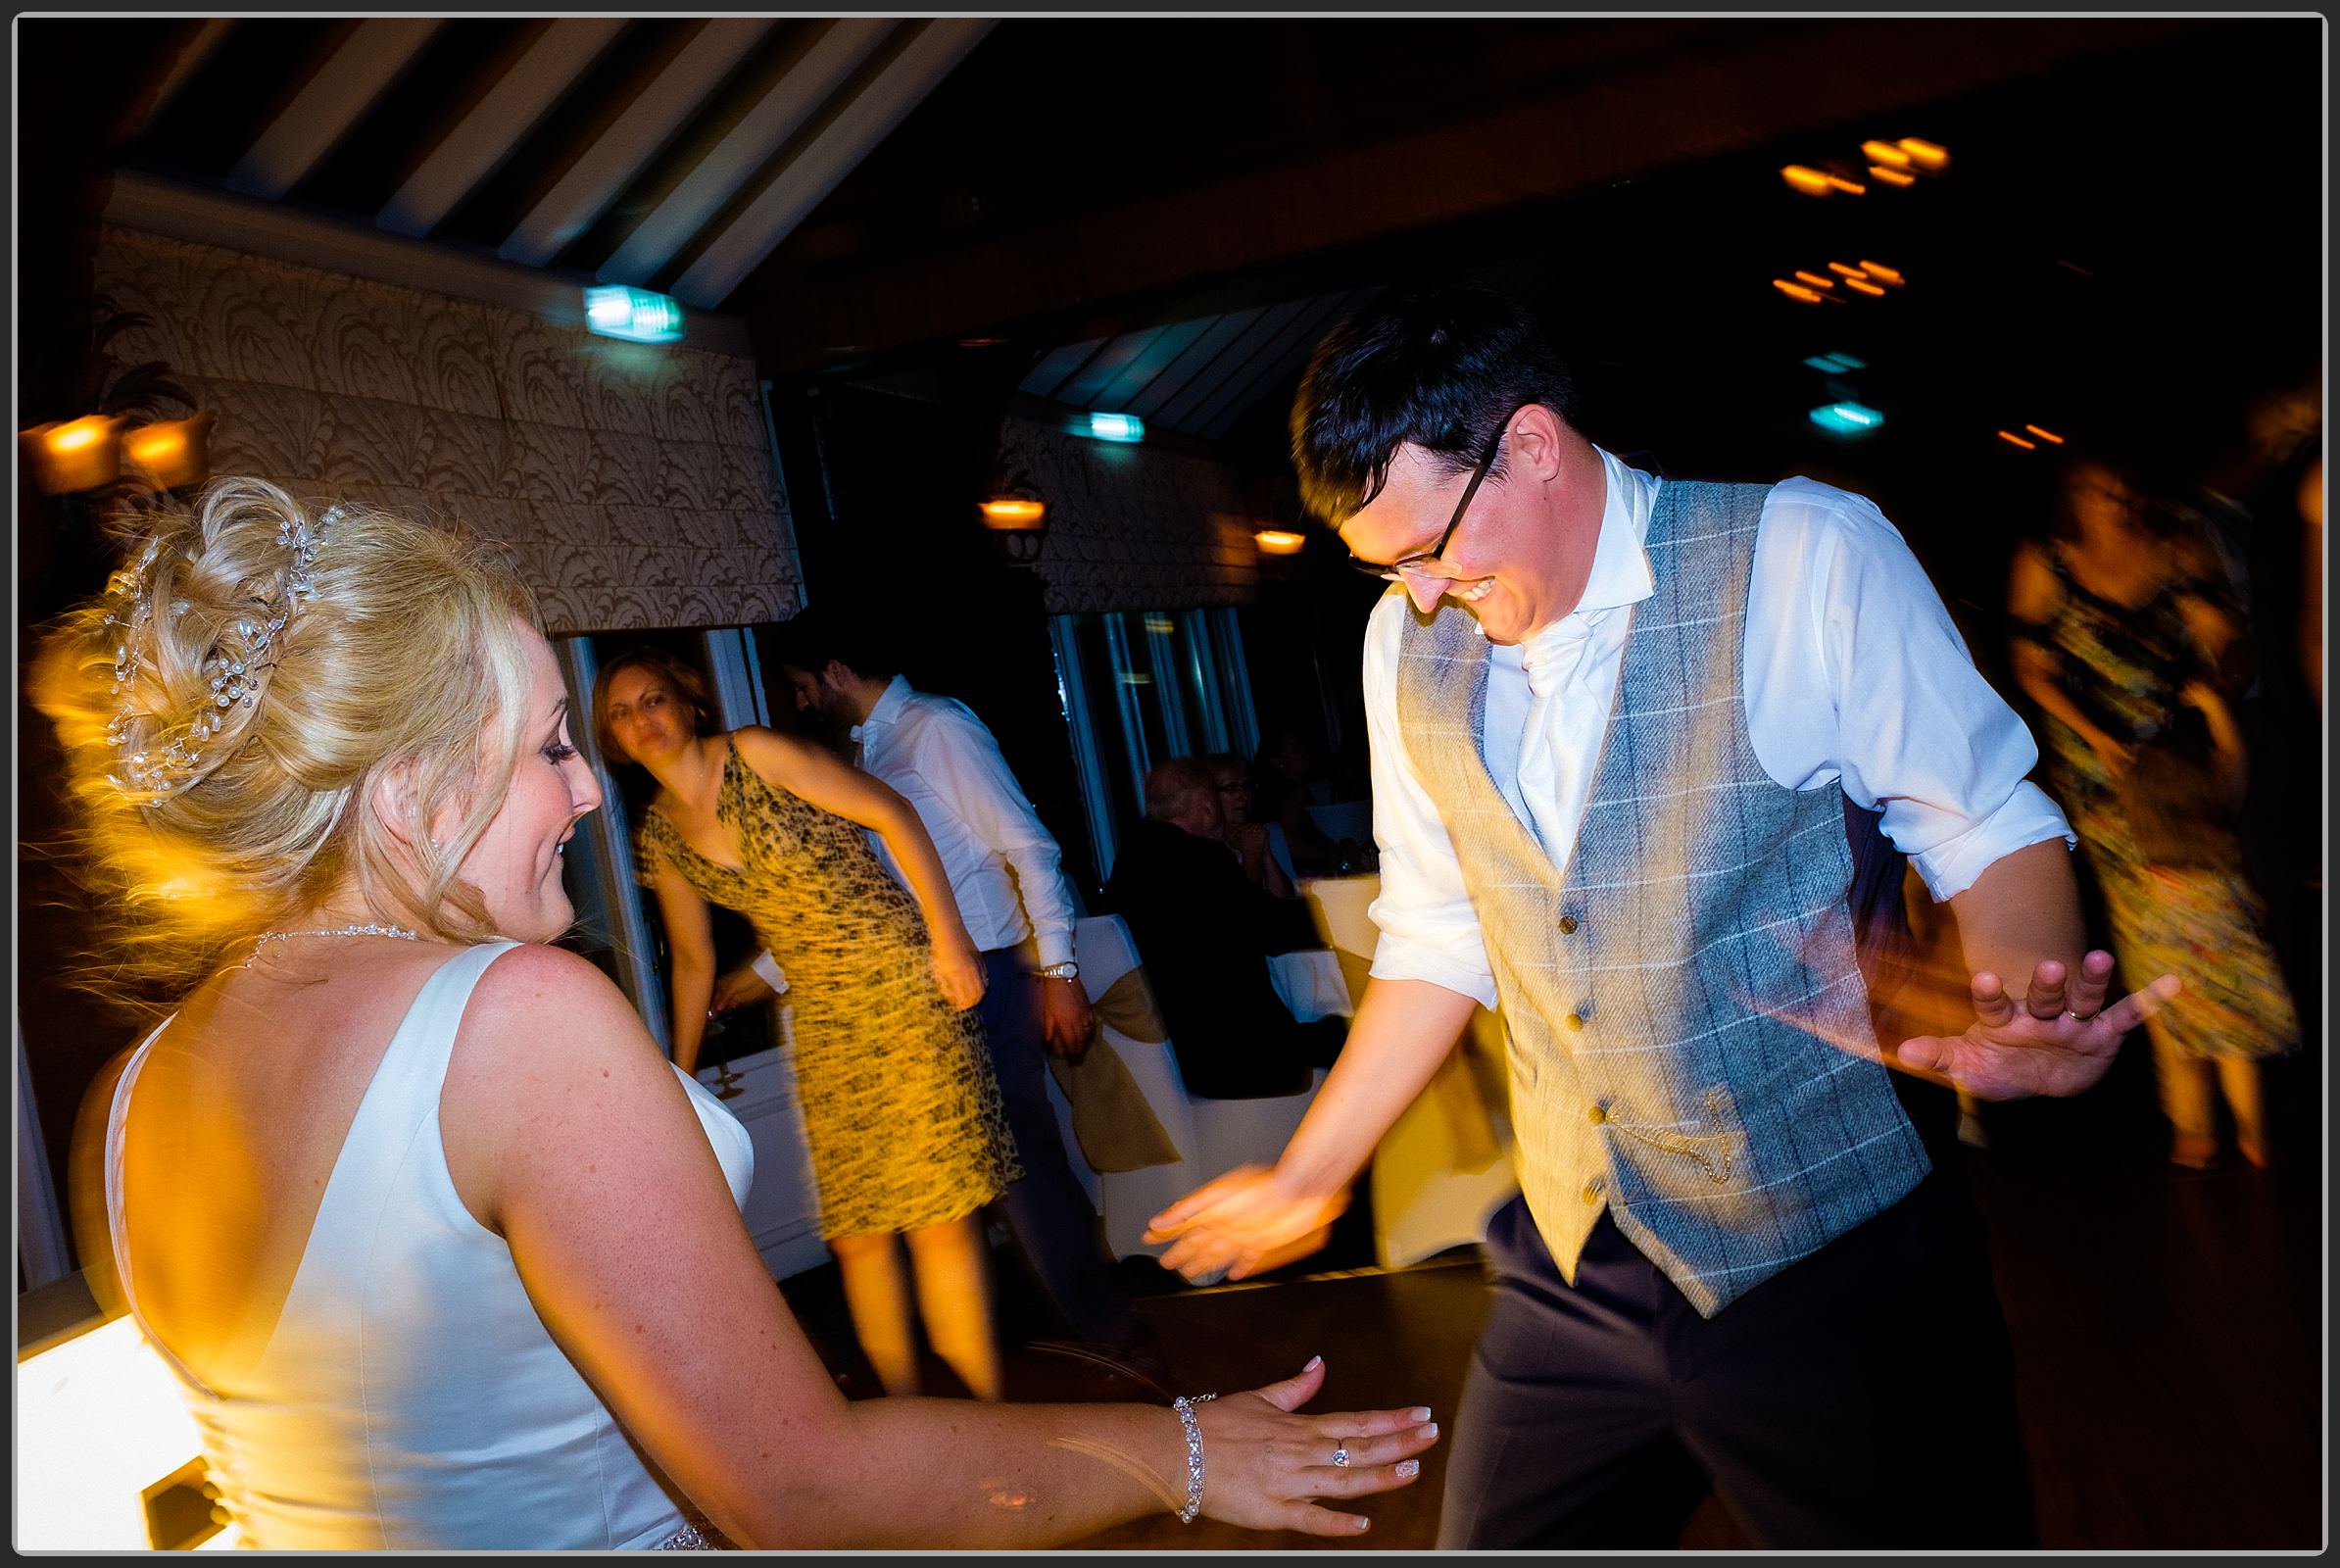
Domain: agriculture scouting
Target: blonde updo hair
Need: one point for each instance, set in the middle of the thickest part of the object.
(404, 660)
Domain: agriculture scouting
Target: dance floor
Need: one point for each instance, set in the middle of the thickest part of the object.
(2167, 1325)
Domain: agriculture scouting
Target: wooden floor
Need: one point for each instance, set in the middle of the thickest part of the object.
(2167, 1327)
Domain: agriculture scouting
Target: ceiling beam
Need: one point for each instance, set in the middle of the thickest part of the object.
(503, 115)
(191, 57)
(797, 187)
(831, 59)
(621, 153)
(332, 101)
(1669, 111)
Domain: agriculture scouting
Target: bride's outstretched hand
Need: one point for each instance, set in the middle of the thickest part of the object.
(1266, 1466)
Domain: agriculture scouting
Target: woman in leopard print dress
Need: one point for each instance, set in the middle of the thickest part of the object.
(901, 1110)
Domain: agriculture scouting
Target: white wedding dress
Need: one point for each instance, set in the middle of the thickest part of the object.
(409, 1396)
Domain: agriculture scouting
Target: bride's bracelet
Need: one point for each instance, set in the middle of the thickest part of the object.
(1186, 1418)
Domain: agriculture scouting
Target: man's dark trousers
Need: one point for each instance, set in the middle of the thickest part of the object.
(1862, 1397)
(1052, 1216)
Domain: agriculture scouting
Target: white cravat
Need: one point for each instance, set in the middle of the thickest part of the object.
(1548, 786)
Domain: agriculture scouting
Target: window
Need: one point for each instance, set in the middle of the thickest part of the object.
(1139, 687)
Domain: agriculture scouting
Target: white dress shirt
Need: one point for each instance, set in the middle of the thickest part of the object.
(1854, 674)
(1005, 869)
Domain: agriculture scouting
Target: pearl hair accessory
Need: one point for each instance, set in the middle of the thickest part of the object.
(172, 757)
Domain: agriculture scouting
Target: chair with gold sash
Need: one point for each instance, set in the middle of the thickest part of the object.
(1139, 1141)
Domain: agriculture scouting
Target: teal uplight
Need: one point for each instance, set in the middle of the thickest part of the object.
(1847, 419)
(1116, 427)
(633, 314)
(1835, 364)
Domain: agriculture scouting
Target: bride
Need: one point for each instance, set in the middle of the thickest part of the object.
(441, 1250)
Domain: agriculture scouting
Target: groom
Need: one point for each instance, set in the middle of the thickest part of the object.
(1613, 724)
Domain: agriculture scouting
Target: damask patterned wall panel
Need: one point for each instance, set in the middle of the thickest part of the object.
(1132, 527)
(633, 482)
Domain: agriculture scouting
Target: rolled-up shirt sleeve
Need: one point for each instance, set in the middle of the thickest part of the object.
(1901, 714)
(1428, 929)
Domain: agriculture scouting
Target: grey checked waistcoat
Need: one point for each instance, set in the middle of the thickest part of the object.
(1690, 1034)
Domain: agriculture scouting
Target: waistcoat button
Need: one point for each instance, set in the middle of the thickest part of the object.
(1573, 1021)
(1596, 1114)
(1568, 923)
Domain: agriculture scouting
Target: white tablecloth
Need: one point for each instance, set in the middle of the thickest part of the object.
(1310, 984)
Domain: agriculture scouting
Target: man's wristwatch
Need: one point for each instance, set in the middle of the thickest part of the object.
(1067, 970)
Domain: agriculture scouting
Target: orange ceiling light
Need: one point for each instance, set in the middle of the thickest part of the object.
(1870, 290)
(1814, 279)
(2011, 436)
(1796, 291)
(1811, 181)
(1882, 272)
(1850, 187)
(1925, 154)
(1886, 152)
(2049, 436)
(1891, 177)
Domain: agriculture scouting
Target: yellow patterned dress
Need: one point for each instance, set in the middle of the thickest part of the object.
(2202, 921)
(901, 1110)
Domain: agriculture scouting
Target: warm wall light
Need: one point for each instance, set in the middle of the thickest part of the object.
(1882, 272)
(2009, 435)
(1279, 542)
(1850, 187)
(1811, 181)
(1843, 271)
(2049, 436)
(78, 454)
(1013, 514)
(1860, 288)
(172, 453)
(1891, 177)
(1814, 279)
(1796, 291)
(1884, 152)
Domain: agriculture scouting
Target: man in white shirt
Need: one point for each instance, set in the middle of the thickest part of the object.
(1004, 872)
(1613, 720)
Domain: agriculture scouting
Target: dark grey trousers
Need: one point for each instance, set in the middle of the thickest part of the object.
(1051, 1215)
(1863, 1398)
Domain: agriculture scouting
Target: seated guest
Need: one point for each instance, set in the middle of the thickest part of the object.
(1243, 833)
(1205, 935)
